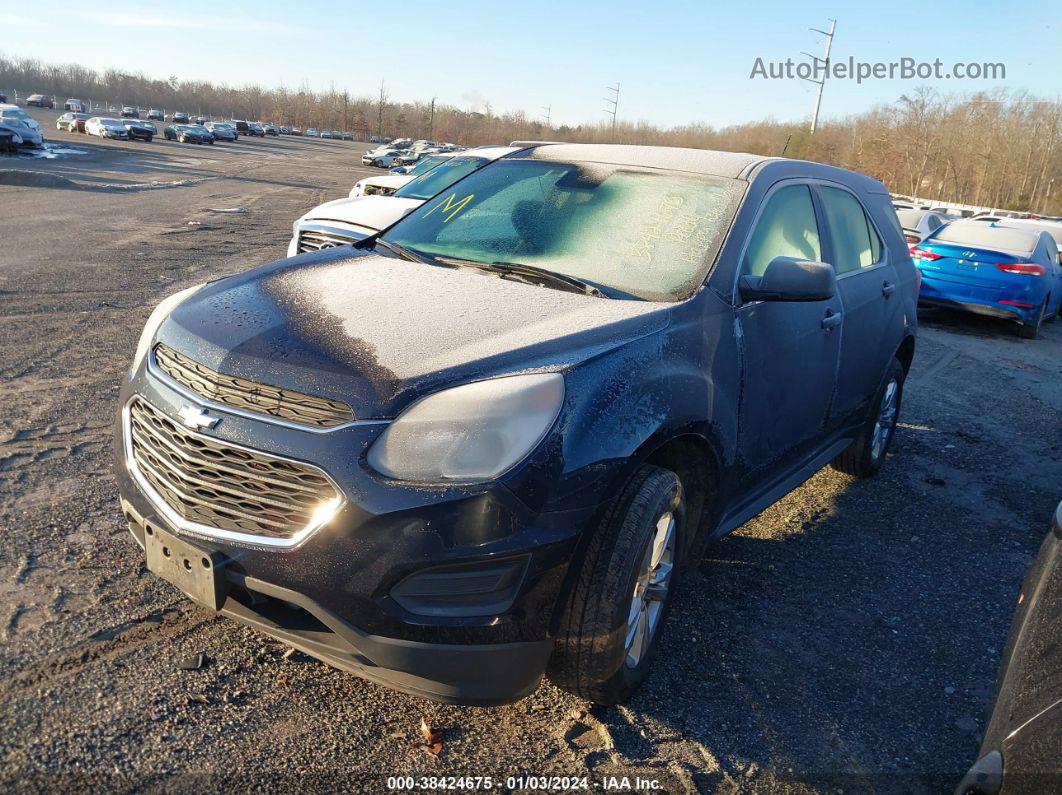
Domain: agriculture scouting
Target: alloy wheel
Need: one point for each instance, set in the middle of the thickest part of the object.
(886, 421)
(650, 590)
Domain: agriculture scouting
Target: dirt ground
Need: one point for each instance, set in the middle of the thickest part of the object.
(846, 639)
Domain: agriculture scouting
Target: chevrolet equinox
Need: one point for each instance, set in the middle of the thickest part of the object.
(481, 446)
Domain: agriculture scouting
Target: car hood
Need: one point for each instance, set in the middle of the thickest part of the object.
(394, 181)
(372, 212)
(378, 332)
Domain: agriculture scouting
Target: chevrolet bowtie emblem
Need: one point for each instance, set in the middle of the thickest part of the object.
(197, 418)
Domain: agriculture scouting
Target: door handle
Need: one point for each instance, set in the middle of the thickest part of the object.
(831, 319)
(887, 289)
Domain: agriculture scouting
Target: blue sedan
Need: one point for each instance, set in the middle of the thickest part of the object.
(992, 269)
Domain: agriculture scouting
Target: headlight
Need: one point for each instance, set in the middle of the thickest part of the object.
(155, 319)
(470, 433)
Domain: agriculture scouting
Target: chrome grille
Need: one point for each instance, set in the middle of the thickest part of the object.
(247, 395)
(317, 239)
(217, 485)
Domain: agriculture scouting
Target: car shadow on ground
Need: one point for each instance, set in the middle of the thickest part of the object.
(958, 321)
(814, 623)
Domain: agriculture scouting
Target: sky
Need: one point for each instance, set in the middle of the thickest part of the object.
(675, 62)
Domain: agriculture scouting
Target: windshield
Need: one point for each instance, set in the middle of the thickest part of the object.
(13, 113)
(649, 233)
(426, 164)
(441, 178)
(909, 218)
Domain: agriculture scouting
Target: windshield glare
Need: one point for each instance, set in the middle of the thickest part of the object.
(441, 178)
(648, 233)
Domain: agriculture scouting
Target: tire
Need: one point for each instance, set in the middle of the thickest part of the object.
(597, 655)
(1030, 331)
(864, 457)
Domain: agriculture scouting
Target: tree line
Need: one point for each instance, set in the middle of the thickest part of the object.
(998, 149)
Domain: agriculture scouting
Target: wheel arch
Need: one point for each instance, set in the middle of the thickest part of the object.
(905, 352)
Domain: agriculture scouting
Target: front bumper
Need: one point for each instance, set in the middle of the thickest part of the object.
(337, 595)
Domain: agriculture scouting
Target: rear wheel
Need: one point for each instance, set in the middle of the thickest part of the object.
(864, 457)
(1030, 329)
(611, 626)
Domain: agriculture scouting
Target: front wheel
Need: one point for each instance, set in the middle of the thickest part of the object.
(864, 457)
(611, 627)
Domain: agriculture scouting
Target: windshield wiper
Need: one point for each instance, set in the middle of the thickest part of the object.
(530, 274)
(403, 252)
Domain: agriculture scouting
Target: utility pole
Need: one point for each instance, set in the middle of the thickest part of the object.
(825, 67)
(547, 108)
(431, 118)
(614, 102)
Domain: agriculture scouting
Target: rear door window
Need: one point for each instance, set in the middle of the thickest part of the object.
(855, 241)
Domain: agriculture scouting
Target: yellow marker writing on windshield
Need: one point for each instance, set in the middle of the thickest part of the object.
(450, 206)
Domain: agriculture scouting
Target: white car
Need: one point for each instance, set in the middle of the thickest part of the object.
(311, 132)
(345, 221)
(385, 186)
(384, 159)
(106, 127)
(919, 223)
(1053, 228)
(18, 121)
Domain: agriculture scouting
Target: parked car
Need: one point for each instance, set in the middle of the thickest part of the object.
(271, 129)
(130, 112)
(75, 105)
(374, 139)
(991, 269)
(188, 134)
(180, 118)
(222, 131)
(919, 223)
(475, 504)
(1020, 747)
(3, 98)
(1053, 228)
(72, 122)
(106, 127)
(385, 186)
(384, 159)
(40, 101)
(285, 129)
(296, 131)
(140, 130)
(344, 221)
(156, 115)
(241, 127)
(311, 132)
(28, 129)
(348, 136)
(255, 129)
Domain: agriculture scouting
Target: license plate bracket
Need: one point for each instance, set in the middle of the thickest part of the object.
(198, 572)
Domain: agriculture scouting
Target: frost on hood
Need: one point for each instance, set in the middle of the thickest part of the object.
(404, 320)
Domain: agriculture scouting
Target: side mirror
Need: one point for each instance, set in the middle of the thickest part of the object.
(791, 279)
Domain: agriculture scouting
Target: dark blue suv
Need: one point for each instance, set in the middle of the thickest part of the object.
(480, 446)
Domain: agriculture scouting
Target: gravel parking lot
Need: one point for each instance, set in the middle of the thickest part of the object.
(846, 639)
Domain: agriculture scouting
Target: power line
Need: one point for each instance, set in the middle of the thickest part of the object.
(825, 68)
(614, 102)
